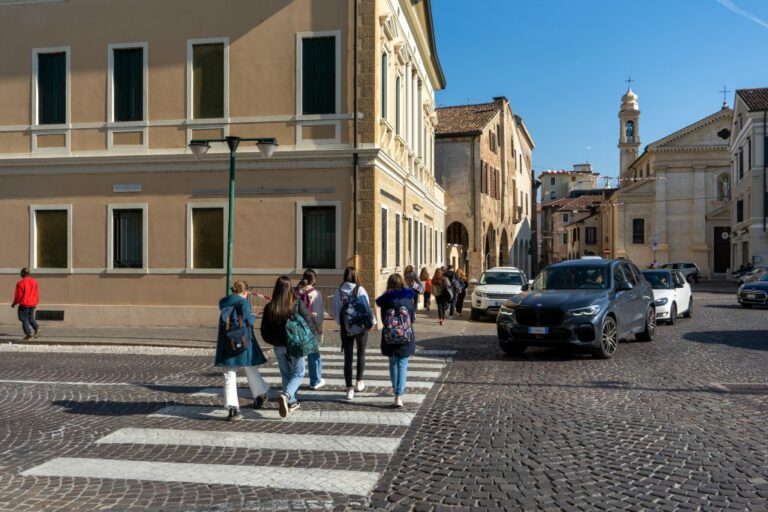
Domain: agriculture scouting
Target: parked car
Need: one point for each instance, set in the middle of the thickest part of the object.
(754, 293)
(583, 304)
(495, 287)
(671, 293)
(753, 275)
(689, 270)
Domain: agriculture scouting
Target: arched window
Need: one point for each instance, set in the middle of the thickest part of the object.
(629, 131)
(723, 187)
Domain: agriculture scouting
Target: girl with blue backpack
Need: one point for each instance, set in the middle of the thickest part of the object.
(398, 341)
(236, 347)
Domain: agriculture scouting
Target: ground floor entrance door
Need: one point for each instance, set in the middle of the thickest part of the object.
(722, 250)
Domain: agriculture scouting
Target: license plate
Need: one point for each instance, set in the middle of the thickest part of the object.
(538, 330)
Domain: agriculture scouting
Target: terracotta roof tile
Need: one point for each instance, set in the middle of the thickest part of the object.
(464, 119)
(582, 202)
(756, 99)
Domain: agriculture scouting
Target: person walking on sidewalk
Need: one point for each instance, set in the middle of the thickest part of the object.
(398, 341)
(463, 284)
(277, 312)
(424, 278)
(27, 297)
(413, 281)
(443, 293)
(450, 276)
(352, 311)
(313, 300)
(236, 347)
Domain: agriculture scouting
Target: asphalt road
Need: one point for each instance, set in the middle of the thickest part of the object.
(677, 424)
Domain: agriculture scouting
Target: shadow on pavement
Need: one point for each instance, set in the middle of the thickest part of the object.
(110, 408)
(748, 339)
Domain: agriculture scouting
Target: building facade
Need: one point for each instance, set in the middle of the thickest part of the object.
(483, 158)
(120, 222)
(748, 150)
(559, 184)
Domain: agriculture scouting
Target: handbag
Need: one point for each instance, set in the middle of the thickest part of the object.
(237, 336)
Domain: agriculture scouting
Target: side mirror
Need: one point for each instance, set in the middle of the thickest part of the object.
(474, 281)
(624, 286)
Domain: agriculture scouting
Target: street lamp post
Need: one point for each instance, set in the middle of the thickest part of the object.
(200, 147)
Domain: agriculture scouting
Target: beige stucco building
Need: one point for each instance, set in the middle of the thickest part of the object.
(122, 225)
(483, 159)
(673, 200)
(559, 184)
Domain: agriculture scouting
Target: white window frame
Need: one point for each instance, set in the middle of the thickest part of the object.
(33, 209)
(191, 43)
(300, 36)
(52, 129)
(385, 240)
(300, 243)
(384, 92)
(144, 207)
(127, 126)
(190, 269)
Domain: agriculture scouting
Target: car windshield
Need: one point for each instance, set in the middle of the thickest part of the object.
(659, 280)
(572, 278)
(510, 278)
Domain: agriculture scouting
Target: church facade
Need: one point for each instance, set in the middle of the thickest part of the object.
(673, 200)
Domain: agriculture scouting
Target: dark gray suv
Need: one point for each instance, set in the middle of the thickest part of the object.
(585, 304)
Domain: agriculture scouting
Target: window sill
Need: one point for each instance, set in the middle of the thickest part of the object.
(49, 271)
(207, 271)
(384, 271)
(133, 271)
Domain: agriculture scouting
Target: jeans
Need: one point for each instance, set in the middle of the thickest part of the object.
(348, 345)
(255, 381)
(442, 305)
(27, 318)
(427, 300)
(460, 301)
(398, 367)
(291, 372)
(315, 368)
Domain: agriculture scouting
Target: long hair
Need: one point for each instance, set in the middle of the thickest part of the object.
(350, 275)
(424, 275)
(308, 279)
(460, 273)
(281, 305)
(409, 268)
(395, 282)
(439, 277)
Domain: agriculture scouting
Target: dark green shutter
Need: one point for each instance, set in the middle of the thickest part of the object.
(128, 85)
(208, 81)
(319, 236)
(52, 88)
(319, 75)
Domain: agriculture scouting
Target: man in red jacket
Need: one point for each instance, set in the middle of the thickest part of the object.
(27, 298)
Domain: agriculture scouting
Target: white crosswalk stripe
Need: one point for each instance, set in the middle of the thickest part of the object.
(369, 411)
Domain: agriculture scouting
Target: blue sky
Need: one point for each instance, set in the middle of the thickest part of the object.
(563, 65)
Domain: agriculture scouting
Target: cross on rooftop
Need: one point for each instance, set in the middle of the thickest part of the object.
(725, 92)
(629, 81)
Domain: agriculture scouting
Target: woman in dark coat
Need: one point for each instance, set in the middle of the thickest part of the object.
(233, 307)
(398, 341)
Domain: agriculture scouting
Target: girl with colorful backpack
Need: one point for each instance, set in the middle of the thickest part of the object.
(237, 347)
(398, 341)
(305, 292)
(281, 315)
(352, 311)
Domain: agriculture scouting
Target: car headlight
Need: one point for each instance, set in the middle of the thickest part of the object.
(480, 294)
(662, 301)
(507, 313)
(588, 311)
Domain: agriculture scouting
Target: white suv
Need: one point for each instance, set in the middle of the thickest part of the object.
(495, 287)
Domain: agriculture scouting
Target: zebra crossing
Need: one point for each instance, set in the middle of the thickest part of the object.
(327, 427)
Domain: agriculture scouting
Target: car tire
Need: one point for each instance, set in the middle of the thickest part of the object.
(672, 314)
(609, 339)
(746, 305)
(650, 327)
(689, 278)
(689, 312)
(513, 349)
(474, 315)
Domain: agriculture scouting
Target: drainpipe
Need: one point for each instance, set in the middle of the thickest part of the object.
(355, 158)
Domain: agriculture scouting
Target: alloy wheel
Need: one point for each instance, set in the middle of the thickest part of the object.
(609, 337)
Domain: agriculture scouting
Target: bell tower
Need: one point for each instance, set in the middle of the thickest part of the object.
(629, 130)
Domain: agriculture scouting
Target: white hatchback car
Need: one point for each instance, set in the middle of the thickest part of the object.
(672, 294)
(495, 287)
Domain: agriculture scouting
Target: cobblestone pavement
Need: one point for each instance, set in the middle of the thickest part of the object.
(677, 424)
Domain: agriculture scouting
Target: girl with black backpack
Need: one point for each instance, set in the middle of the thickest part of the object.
(277, 313)
(398, 341)
(236, 347)
(352, 311)
(442, 290)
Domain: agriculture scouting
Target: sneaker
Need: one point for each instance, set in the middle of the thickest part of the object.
(450, 316)
(360, 385)
(350, 393)
(441, 321)
(282, 403)
(27, 338)
(319, 384)
(294, 406)
(234, 414)
(260, 401)
(398, 401)
(36, 333)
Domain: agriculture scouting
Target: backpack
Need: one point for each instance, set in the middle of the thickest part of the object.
(303, 296)
(397, 327)
(236, 333)
(355, 314)
(458, 285)
(300, 341)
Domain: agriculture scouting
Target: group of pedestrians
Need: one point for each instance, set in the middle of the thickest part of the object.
(292, 323)
(447, 286)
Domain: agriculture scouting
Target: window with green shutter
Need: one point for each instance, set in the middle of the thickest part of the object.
(51, 88)
(318, 237)
(128, 84)
(208, 81)
(319, 75)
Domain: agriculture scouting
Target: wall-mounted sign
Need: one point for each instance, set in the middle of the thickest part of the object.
(125, 188)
